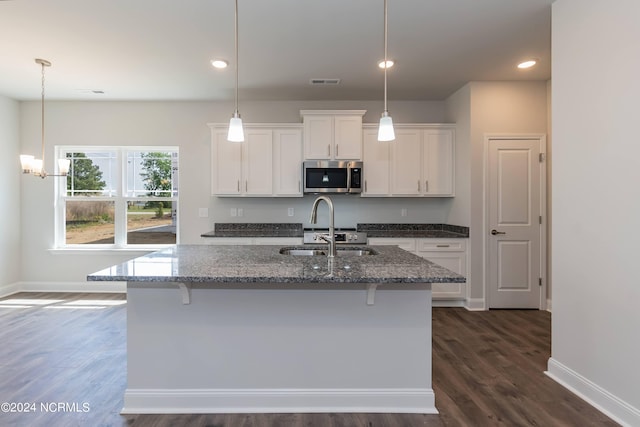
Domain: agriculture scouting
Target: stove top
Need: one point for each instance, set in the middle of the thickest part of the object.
(342, 236)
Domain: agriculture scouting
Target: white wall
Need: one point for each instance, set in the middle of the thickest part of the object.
(9, 196)
(481, 108)
(596, 203)
(184, 124)
(458, 111)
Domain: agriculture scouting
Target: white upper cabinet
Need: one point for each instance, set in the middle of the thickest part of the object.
(268, 163)
(287, 162)
(418, 163)
(406, 163)
(438, 162)
(376, 164)
(332, 134)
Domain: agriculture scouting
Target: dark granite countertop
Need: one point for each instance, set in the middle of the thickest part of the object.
(265, 264)
(372, 230)
(255, 230)
(414, 230)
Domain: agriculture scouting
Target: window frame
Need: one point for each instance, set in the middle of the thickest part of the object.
(120, 199)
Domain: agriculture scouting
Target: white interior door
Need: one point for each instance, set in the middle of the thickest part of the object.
(513, 226)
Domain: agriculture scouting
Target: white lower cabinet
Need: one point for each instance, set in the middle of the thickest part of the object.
(449, 253)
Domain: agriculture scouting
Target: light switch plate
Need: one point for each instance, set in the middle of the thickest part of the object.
(290, 211)
(233, 212)
(203, 212)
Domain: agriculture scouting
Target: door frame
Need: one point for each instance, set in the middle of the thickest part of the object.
(542, 140)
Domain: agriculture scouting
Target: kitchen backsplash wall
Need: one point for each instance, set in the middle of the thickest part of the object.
(349, 210)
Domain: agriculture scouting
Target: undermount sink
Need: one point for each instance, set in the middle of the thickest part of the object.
(344, 251)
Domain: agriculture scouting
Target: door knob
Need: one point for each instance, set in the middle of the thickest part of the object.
(494, 232)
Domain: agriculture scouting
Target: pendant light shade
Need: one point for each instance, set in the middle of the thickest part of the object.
(63, 166)
(236, 133)
(29, 163)
(385, 129)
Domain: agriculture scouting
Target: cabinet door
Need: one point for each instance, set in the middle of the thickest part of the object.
(450, 254)
(407, 244)
(347, 139)
(437, 162)
(287, 165)
(227, 164)
(406, 163)
(258, 162)
(318, 137)
(454, 261)
(376, 164)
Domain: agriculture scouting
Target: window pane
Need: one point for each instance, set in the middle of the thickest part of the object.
(89, 221)
(151, 222)
(92, 174)
(152, 174)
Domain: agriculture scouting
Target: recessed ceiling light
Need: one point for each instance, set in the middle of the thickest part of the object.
(527, 64)
(219, 63)
(324, 82)
(90, 91)
(381, 64)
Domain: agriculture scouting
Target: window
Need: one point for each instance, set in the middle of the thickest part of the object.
(118, 197)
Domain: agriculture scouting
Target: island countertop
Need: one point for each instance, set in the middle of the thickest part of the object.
(265, 264)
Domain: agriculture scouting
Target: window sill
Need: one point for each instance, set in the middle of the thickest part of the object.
(74, 250)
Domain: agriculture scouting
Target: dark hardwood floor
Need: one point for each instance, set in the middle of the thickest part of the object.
(68, 353)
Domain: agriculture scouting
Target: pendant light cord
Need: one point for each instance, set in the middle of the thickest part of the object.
(385, 56)
(42, 115)
(236, 47)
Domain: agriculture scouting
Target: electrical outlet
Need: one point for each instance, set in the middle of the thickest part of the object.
(290, 211)
(403, 212)
(233, 212)
(203, 212)
(240, 212)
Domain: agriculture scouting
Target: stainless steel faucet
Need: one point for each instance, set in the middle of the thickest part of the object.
(331, 238)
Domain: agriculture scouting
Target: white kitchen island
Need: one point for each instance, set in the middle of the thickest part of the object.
(237, 329)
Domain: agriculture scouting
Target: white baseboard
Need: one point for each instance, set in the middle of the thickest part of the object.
(219, 401)
(549, 305)
(615, 408)
(475, 304)
(92, 287)
(12, 288)
(447, 303)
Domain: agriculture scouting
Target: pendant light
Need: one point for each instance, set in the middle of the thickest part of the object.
(236, 133)
(385, 130)
(36, 166)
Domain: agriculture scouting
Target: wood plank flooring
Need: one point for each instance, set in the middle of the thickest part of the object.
(70, 349)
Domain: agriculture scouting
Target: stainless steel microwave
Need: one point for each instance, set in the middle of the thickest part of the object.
(332, 176)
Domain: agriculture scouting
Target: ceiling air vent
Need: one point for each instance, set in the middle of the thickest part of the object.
(324, 82)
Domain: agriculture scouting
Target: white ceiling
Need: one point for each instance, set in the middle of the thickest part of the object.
(160, 49)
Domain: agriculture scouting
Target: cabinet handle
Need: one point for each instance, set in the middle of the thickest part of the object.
(337, 150)
(365, 185)
(442, 246)
(238, 186)
(418, 186)
(426, 186)
(329, 150)
(246, 185)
